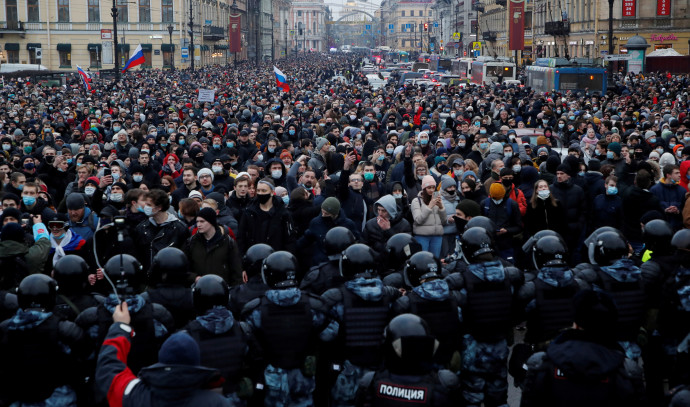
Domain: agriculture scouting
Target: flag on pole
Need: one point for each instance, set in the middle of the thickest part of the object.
(84, 78)
(281, 79)
(137, 58)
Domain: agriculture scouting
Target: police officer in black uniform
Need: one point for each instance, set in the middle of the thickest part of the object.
(152, 322)
(71, 273)
(169, 281)
(223, 341)
(612, 270)
(362, 308)
(547, 296)
(432, 300)
(39, 349)
(326, 275)
(409, 378)
(399, 248)
(488, 315)
(286, 323)
(254, 285)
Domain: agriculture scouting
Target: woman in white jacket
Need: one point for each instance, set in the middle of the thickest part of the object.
(429, 216)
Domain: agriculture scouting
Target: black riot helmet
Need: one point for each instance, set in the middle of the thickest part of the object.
(609, 247)
(280, 270)
(171, 266)
(549, 251)
(484, 223)
(210, 291)
(358, 260)
(681, 240)
(421, 266)
(37, 291)
(409, 345)
(254, 258)
(657, 236)
(338, 239)
(399, 248)
(124, 271)
(529, 244)
(71, 273)
(475, 242)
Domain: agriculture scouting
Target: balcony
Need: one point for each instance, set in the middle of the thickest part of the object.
(213, 33)
(557, 28)
(12, 27)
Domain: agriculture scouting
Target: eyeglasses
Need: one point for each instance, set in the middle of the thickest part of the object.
(356, 180)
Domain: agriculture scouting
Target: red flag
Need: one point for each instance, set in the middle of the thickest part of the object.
(235, 33)
(516, 25)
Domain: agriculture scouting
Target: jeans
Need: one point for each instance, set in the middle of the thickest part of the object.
(430, 244)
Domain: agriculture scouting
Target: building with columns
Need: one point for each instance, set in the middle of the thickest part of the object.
(307, 23)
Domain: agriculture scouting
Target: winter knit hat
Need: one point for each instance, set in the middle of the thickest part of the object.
(469, 208)
(209, 215)
(204, 171)
(428, 181)
(320, 142)
(180, 349)
(614, 147)
(497, 191)
(332, 206)
(12, 231)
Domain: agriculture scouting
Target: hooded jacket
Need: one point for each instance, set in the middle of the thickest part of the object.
(374, 236)
(168, 385)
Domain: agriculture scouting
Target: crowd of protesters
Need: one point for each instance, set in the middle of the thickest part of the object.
(140, 166)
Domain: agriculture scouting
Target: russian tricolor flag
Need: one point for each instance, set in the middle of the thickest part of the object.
(84, 78)
(137, 58)
(281, 79)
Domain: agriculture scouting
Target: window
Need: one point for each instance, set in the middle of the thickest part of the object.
(167, 57)
(167, 10)
(32, 57)
(94, 56)
(122, 12)
(11, 13)
(313, 27)
(144, 11)
(65, 59)
(411, 13)
(402, 13)
(299, 13)
(32, 11)
(313, 13)
(63, 11)
(147, 58)
(315, 44)
(94, 11)
(12, 57)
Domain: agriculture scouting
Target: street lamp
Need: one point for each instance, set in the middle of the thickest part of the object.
(172, 50)
(113, 12)
(286, 38)
(234, 13)
(610, 67)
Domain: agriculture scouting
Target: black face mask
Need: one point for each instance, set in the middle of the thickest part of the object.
(460, 224)
(507, 183)
(263, 198)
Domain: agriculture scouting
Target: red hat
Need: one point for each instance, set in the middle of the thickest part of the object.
(284, 154)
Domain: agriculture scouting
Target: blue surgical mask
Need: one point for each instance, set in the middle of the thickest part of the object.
(483, 146)
(180, 141)
(69, 161)
(652, 140)
(389, 151)
(59, 237)
(230, 144)
(561, 125)
(611, 190)
(271, 149)
(424, 141)
(571, 117)
(543, 194)
(291, 132)
(29, 200)
(609, 155)
(216, 146)
(286, 199)
(671, 145)
(397, 196)
(137, 178)
(164, 145)
(482, 131)
(497, 201)
(477, 123)
(148, 210)
(581, 173)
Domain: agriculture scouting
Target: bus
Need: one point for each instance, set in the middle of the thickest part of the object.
(486, 72)
(445, 65)
(364, 51)
(559, 74)
(462, 67)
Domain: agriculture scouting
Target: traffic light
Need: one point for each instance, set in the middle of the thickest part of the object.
(464, 53)
(426, 27)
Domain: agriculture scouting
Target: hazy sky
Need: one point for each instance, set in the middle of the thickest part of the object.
(337, 6)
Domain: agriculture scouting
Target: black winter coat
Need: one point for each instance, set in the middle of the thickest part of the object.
(273, 228)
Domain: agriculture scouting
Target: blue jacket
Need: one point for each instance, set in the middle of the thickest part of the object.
(87, 225)
(670, 195)
(316, 234)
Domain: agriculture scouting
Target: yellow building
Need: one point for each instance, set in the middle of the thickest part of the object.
(80, 32)
(404, 22)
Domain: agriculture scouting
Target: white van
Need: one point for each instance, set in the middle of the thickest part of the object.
(9, 68)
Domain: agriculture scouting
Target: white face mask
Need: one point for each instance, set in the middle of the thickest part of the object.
(116, 197)
(217, 169)
(89, 191)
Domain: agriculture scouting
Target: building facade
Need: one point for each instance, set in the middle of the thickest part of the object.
(307, 24)
(405, 23)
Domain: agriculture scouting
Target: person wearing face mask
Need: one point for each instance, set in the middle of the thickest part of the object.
(671, 195)
(572, 197)
(162, 229)
(266, 220)
(607, 208)
(277, 171)
(507, 179)
(63, 241)
(505, 213)
(302, 209)
(544, 211)
(450, 200)
(621, 165)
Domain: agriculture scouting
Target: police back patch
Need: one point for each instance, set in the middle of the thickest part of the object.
(401, 393)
